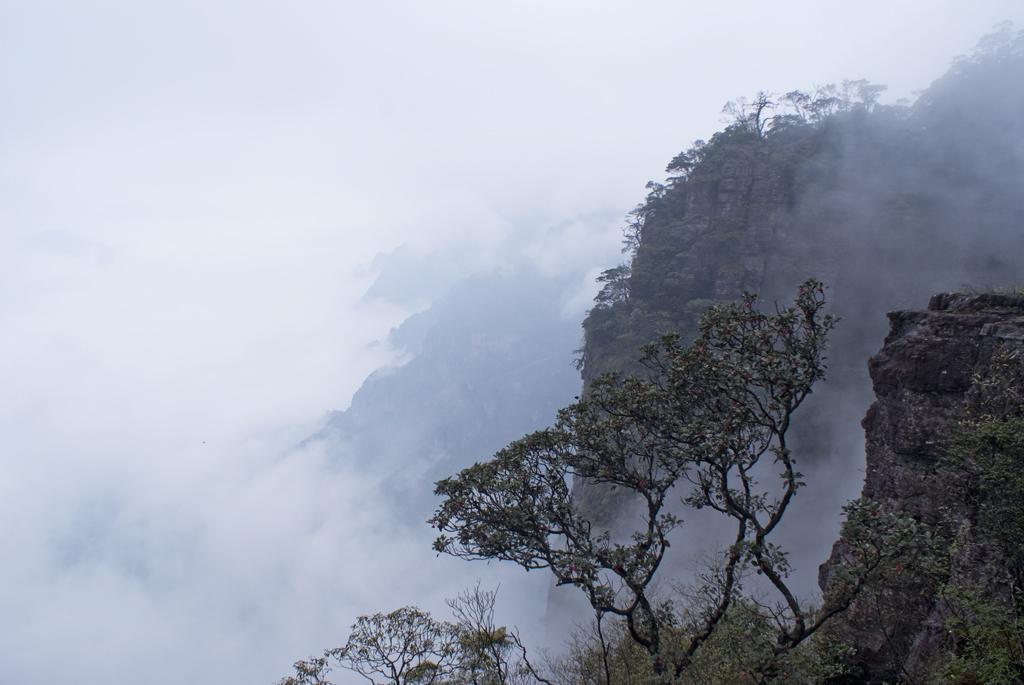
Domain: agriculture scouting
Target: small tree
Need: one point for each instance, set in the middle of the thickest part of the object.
(403, 647)
(409, 647)
(711, 416)
(615, 288)
(311, 672)
(489, 654)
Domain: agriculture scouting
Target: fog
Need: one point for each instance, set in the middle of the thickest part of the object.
(213, 215)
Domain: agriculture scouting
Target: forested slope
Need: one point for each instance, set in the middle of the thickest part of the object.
(887, 204)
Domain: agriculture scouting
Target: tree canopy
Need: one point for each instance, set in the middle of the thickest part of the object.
(702, 425)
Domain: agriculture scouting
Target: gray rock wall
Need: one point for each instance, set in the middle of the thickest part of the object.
(924, 378)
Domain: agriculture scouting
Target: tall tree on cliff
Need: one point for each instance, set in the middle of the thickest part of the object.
(704, 424)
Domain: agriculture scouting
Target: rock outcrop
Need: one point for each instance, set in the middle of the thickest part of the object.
(886, 205)
(926, 380)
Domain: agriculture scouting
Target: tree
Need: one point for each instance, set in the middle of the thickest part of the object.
(311, 672)
(488, 654)
(409, 647)
(615, 288)
(403, 647)
(752, 115)
(712, 418)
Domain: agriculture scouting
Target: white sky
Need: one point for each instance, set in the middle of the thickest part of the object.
(191, 194)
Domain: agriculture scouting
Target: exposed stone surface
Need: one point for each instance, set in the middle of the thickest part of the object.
(923, 378)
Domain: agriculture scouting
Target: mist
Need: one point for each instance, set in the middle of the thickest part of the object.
(218, 221)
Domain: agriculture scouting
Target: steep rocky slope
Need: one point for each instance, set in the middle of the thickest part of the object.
(934, 380)
(885, 204)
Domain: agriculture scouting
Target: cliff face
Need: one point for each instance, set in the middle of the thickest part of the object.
(885, 204)
(923, 378)
(929, 378)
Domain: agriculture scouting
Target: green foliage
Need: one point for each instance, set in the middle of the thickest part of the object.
(986, 638)
(604, 654)
(404, 647)
(309, 672)
(616, 286)
(408, 646)
(988, 450)
(877, 542)
(735, 654)
(488, 654)
(985, 623)
(743, 653)
(996, 449)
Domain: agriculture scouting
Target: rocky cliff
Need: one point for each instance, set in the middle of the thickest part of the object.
(885, 204)
(942, 375)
